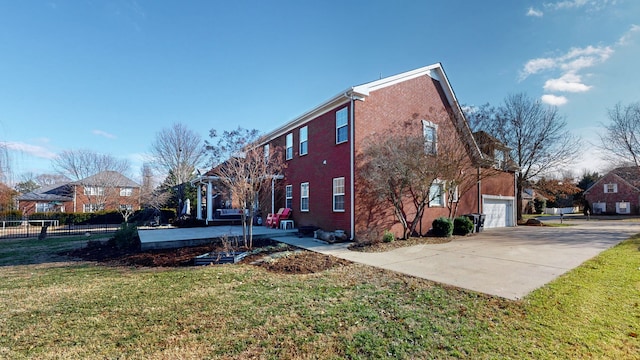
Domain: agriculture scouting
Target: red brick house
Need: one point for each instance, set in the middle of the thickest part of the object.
(618, 192)
(107, 190)
(321, 183)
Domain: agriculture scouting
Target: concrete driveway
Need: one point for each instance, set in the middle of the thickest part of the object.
(506, 262)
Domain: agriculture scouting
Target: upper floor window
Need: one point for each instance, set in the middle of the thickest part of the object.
(610, 188)
(338, 194)
(93, 190)
(288, 203)
(266, 153)
(499, 157)
(289, 146)
(304, 196)
(126, 191)
(342, 125)
(303, 141)
(430, 132)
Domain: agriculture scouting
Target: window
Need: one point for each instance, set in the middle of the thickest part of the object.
(266, 154)
(126, 207)
(289, 146)
(452, 192)
(304, 196)
(44, 207)
(89, 208)
(436, 197)
(610, 188)
(429, 131)
(303, 141)
(93, 190)
(338, 194)
(342, 126)
(126, 191)
(288, 202)
(623, 207)
(499, 157)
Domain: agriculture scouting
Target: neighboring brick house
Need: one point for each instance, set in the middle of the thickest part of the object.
(618, 192)
(108, 190)
(321, 183)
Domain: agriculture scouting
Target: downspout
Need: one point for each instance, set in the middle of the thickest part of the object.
(515, 192)
(479, 190)
(352, 147)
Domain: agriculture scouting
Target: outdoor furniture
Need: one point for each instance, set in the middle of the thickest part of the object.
(273, 220)
(286, 224)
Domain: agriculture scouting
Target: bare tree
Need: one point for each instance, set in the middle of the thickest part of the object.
(537, 135)
(151, 196)
(80, 164)
(621, 141)
(179, 151)
(248, 170)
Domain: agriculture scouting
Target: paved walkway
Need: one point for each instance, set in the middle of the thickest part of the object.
(506, 262)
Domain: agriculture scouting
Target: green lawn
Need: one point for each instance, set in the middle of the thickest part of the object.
(56, 310)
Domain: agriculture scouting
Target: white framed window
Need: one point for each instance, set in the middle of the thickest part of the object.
(304, 143)
(338, 194)
(436, 194)
(288, 196)
(126, 207)
(499, 158)
(342, 126)
(266, 153)
(44, 207)
(623, 207)
(126, 191)
(89, 208)
(610, 188)
(430, 132)
(599, 207)
(94, 190)
(304, 196)
(453, 194)
(289, 150)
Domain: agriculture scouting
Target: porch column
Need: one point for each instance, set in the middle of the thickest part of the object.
(199, 202)
(209, 201)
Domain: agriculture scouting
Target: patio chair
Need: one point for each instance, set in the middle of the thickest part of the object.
(273, 220)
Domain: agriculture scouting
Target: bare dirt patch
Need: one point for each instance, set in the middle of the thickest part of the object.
(380, 246)
(264, 254)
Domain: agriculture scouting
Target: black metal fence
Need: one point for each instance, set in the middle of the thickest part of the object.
(25, 228)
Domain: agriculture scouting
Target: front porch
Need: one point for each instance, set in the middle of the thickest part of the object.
(179, 237)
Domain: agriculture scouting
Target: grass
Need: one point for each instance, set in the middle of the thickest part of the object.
(54, 310)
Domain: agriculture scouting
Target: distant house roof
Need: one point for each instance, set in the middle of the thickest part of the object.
(112, 178)
(63, 191)
(629, 174)
(56, 192)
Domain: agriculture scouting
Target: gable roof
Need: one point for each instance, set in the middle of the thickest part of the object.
(56, 192)
(361, 92)
(112, 178)
(628, 174)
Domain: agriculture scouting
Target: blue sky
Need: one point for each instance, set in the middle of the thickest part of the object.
(108, 75)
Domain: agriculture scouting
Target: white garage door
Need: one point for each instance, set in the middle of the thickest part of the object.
(498, 211)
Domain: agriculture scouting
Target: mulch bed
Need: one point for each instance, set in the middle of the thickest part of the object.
(297, 262)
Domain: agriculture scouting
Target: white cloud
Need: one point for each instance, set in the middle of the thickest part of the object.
(33, 150)
(589, 5)
(626, 38)
(554, 99)
(566, 83)
(534, 12)
(104, 134)
(575, 59)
